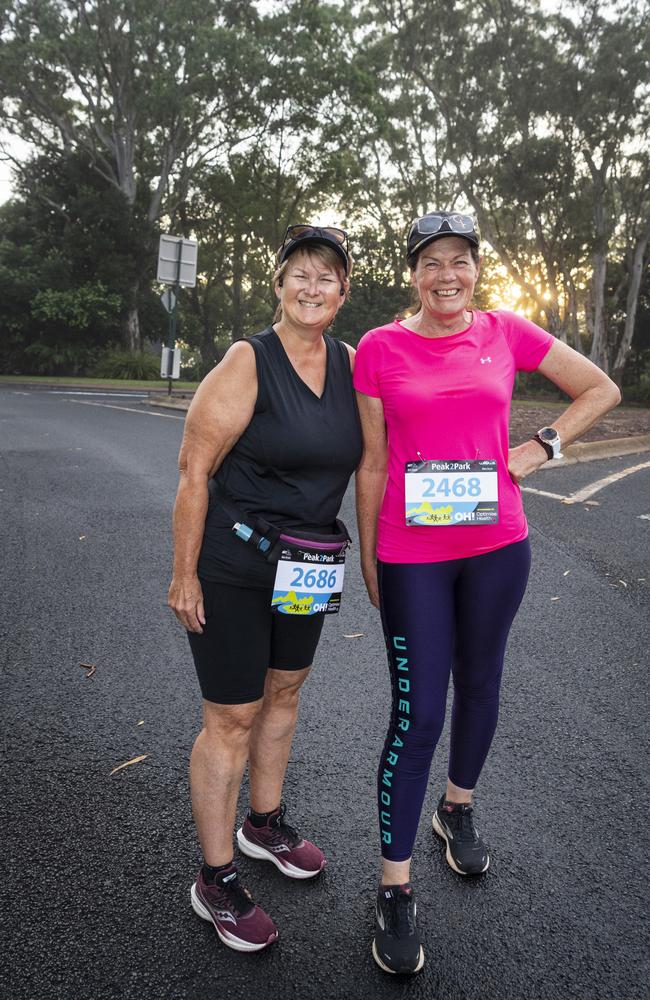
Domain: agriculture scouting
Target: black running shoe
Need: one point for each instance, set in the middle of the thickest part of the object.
(396, 947)
(466, 852)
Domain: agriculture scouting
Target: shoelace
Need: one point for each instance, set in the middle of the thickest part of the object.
(239, 899)
(400, 911)
(463, 822)
(282, 830)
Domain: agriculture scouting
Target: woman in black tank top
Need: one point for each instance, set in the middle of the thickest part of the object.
(273, 435)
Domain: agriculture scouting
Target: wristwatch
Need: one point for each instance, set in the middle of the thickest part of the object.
(549, 439)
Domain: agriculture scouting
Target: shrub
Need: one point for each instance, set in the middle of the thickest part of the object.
(639, 393)
(128, 365)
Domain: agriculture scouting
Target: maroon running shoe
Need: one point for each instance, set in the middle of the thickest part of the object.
(237, 920)
(282, 845)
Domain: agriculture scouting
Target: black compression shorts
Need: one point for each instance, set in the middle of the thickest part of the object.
(242, 638)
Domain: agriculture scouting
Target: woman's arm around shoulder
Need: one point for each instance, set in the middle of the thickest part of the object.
(593, 394)
(221, 410)
(370, 485)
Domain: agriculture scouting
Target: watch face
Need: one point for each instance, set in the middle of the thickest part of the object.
(548, 434)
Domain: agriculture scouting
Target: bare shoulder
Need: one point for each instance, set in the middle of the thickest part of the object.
(237, 362)
(236, 372)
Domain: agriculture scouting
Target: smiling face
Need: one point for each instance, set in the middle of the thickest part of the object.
(445, 274)
(310, 293)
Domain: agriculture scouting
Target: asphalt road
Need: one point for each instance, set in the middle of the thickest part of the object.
(95, 894)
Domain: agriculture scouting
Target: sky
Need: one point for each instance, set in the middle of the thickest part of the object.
(17, 148)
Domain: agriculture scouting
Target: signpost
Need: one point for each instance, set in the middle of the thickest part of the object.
(177, 258)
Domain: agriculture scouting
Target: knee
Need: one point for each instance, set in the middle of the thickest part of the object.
(478, 692)
(230, 724)
(283, 692)
(423, 733)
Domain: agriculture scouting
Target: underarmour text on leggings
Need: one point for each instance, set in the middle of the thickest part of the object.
(398, 643)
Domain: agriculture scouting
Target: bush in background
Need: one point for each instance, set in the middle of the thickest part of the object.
(121, 364)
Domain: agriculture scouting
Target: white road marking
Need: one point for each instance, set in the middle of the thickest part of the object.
(127, 409)
(79, 392)
(543, 493)
(588, 491)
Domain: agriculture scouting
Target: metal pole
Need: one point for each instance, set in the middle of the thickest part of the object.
(173, 318)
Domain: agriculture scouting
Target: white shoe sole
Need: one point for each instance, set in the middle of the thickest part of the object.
(381, 965)
(261, 854)
(228, 939)
(437, 826)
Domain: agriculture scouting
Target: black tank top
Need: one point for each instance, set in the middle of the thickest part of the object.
(291, 465)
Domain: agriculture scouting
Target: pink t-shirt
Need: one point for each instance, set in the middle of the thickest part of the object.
(448, 398)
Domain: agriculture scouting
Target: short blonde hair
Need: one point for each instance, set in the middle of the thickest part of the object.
(326, 255)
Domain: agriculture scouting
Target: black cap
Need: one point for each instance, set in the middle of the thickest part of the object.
(304, 236)
(440, 224)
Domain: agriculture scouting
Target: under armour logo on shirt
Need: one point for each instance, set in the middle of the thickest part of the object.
(486, 361)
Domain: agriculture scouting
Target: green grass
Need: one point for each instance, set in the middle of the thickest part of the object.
(109, 383)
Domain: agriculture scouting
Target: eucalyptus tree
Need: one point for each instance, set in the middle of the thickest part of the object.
(538, 112)
(490, 74)
(605, 51)
(293, 168)
(147, 91)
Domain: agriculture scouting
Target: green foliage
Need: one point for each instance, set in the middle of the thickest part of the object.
(121, 364)
(78, 309)
(227, 119)
(57, 358)
(639, 393)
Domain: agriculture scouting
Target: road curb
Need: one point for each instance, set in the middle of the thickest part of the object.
(116, 386)
(170, 402)
(589, 451)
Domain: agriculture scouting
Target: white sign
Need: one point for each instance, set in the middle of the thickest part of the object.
(168, 300)
(170, 363)
(177, 258)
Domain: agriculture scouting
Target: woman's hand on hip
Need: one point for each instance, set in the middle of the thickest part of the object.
(525, 459)
(185, 598)
(369, 571)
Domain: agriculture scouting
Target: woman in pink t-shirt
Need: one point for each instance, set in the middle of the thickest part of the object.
(444, 539)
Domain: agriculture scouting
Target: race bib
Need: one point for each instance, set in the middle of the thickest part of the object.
(308, 582)
(445, 493)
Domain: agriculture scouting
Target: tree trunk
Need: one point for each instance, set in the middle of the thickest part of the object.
(599, 351)
(599, 342)
(555, 322)
(209, 353)
(131, 327)
(237, 279)
(572, 317)
(636, 273)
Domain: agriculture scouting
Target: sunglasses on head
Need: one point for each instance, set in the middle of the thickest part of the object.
(301, 232)
(429, 225)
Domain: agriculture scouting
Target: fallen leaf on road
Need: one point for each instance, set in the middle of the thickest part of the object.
(352, 635)
(90, 667)
(127, 763)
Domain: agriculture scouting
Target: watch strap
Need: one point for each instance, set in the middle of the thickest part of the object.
(547, 447)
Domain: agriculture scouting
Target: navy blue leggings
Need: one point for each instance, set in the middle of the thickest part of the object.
(441, 618)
